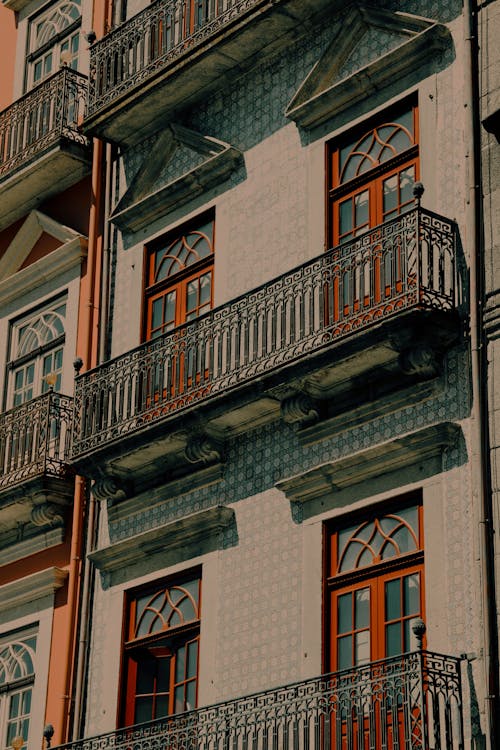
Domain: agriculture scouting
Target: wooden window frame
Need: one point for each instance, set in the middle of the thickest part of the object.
(373, 576)
(178, 281)
(337, 192)
(173, 639)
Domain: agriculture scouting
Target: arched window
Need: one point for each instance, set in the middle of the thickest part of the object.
(17, 674)
(161, 650)
(54, 40)
(371, 173)
(375, 586)
(37, 354)
(179, 277)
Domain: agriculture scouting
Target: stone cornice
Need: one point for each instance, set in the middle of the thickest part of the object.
(32, 587)
(332, 477)
(175, 534)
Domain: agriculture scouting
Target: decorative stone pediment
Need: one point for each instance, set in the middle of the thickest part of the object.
(70, 248)
(191, 163)
(371, 49)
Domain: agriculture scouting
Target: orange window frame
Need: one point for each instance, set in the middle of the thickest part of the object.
(161, 646)
(372, 180)
(374, 577)
(178, 281)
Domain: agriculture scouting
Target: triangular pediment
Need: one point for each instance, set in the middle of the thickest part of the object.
(189, 164)
(34, 227)
(371, 49)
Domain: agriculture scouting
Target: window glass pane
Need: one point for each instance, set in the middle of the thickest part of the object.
(143, 710)
(19, 379)
(161, 706)
(390, 191)
(407, 180)
(180, 664)
(344, 652)
(30, 374)
(411, 587)
(192, 295)
(192, 659)
(179, 699)
(163, 672)
(344, 610)
(47, 64)
(205, 288)
(345, 217)
(362, 645)
(393, 645)
(393, 599)
(362, 605)
(191, 695)
(361, 208)
(146, 673)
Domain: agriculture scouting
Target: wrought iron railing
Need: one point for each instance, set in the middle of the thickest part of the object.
(38, 120)
(34, 439)
(406, 263)
(134, 51)
(412, 701)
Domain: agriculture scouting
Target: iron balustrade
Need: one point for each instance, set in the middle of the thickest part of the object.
(406, 263)
(41, 118)
(34, 439)
(408, 702)
(134, 51)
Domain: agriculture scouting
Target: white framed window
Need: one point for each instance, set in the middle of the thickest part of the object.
(36, 357)
(54, 40)
(17, 676)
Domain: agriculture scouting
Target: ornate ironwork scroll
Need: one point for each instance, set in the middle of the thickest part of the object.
(40, 119)
(34, 439)
(406, 263)
(413, 701)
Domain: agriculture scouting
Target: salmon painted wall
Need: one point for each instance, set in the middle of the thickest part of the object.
(8, 47)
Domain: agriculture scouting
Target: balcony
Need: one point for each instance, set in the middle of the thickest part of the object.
(36, 482)
(414, 700)
(196, 47)
(42, 151)
(360, 325)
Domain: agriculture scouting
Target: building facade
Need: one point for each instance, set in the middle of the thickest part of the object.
(264, 234)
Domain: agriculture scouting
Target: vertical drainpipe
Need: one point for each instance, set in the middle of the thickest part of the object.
(88, 345)
(479, 366)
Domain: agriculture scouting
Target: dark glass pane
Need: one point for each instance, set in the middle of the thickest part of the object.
(26, 702)
(393, 599)
(30, 374)
(345, 216)
(143, 710)
(393, 643)
(161, 706)
(344, 652)
(146, 673)
(163, 675)
(15, 706)
(407, 180)
(344, 613)
(157, 313)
